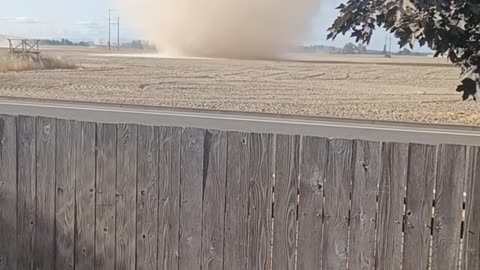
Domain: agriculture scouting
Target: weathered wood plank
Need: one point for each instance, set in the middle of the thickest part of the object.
(26, 191)
(106, 182)
(260, 202)
(147, 198)
(313, 168)
(169, 196)
(236, 214)
(338, 185)
(191, 175)
(126, 197)
(471, 258)
(8, 193)
(451, 164)
(85, 195)
(65, 194)
(394, 165)
(361, 253)
(420, 183)
(285, 210)
(45, 212)
(214, 200)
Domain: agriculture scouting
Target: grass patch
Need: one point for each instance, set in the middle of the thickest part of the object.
(27, 62)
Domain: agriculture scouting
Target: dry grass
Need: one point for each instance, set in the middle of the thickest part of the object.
(26, 62)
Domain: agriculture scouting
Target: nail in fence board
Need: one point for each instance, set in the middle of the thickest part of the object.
(26, 191)
(361, 253)
(45, 212)
(147, 198)
(418, 214)
(394, 164)
(126, 196)
(191, 179)
(236, 214)
(8, 193)
(471, 258)
(337, 204)
(106, 182)
(313, 165)
(215, 170)
(85, 196)
(448, 206)
(65, 194)
(285, 209)
(169, 196)
(260, 201)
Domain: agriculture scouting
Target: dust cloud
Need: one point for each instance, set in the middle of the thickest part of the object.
(254, 29)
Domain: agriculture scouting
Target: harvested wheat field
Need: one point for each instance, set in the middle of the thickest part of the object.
(416, 89)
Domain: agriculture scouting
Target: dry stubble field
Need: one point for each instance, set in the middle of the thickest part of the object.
(402, 89)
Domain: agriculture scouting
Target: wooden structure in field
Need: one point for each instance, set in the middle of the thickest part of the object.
(24, 47)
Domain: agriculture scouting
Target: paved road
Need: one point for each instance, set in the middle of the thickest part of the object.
(251, 122)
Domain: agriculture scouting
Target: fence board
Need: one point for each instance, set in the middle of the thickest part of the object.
(26, 191)
(420, 183)
(215, 169)
(147, 198)
(260, 202)
(471, 258)
(169, 196)
(65, 194)
(45, 212)
(337, 204)
(313, 166)
(125, 230)
(361, 253)
(448, 206)
(106, 182)
(85, 196)
(394, 165)
(285, 210)
(236, 214)
(8, 193)
(191, 180)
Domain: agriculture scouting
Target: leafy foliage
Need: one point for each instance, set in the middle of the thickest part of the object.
(449, 27)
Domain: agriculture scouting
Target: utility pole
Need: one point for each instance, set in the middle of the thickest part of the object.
(118, 33)
(109, 28)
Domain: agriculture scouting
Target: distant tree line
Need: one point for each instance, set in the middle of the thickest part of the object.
(64, 42)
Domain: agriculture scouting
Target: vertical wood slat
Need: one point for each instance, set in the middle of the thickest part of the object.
(418, 216)
(285, 210)
(106, 182)
(85, 195)
(313, 168)
(191, 179)
(125, 230)
(8, 193)
(394, 165)
(337, 204)
(236, 214)
(147, 198)
(215, 169)
(260, 202)
(26, 146)
(449, 189)
(361, 253)
(169, 196)
(471, 258)
(45, 212)
(65, 194)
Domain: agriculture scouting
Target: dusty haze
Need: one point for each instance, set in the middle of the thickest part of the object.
(223, 28)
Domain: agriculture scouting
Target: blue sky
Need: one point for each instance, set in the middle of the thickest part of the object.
(87, 20)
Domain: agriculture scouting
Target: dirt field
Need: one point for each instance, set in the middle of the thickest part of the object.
(405, 89)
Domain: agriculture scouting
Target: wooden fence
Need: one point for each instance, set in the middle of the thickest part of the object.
(78, 195)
